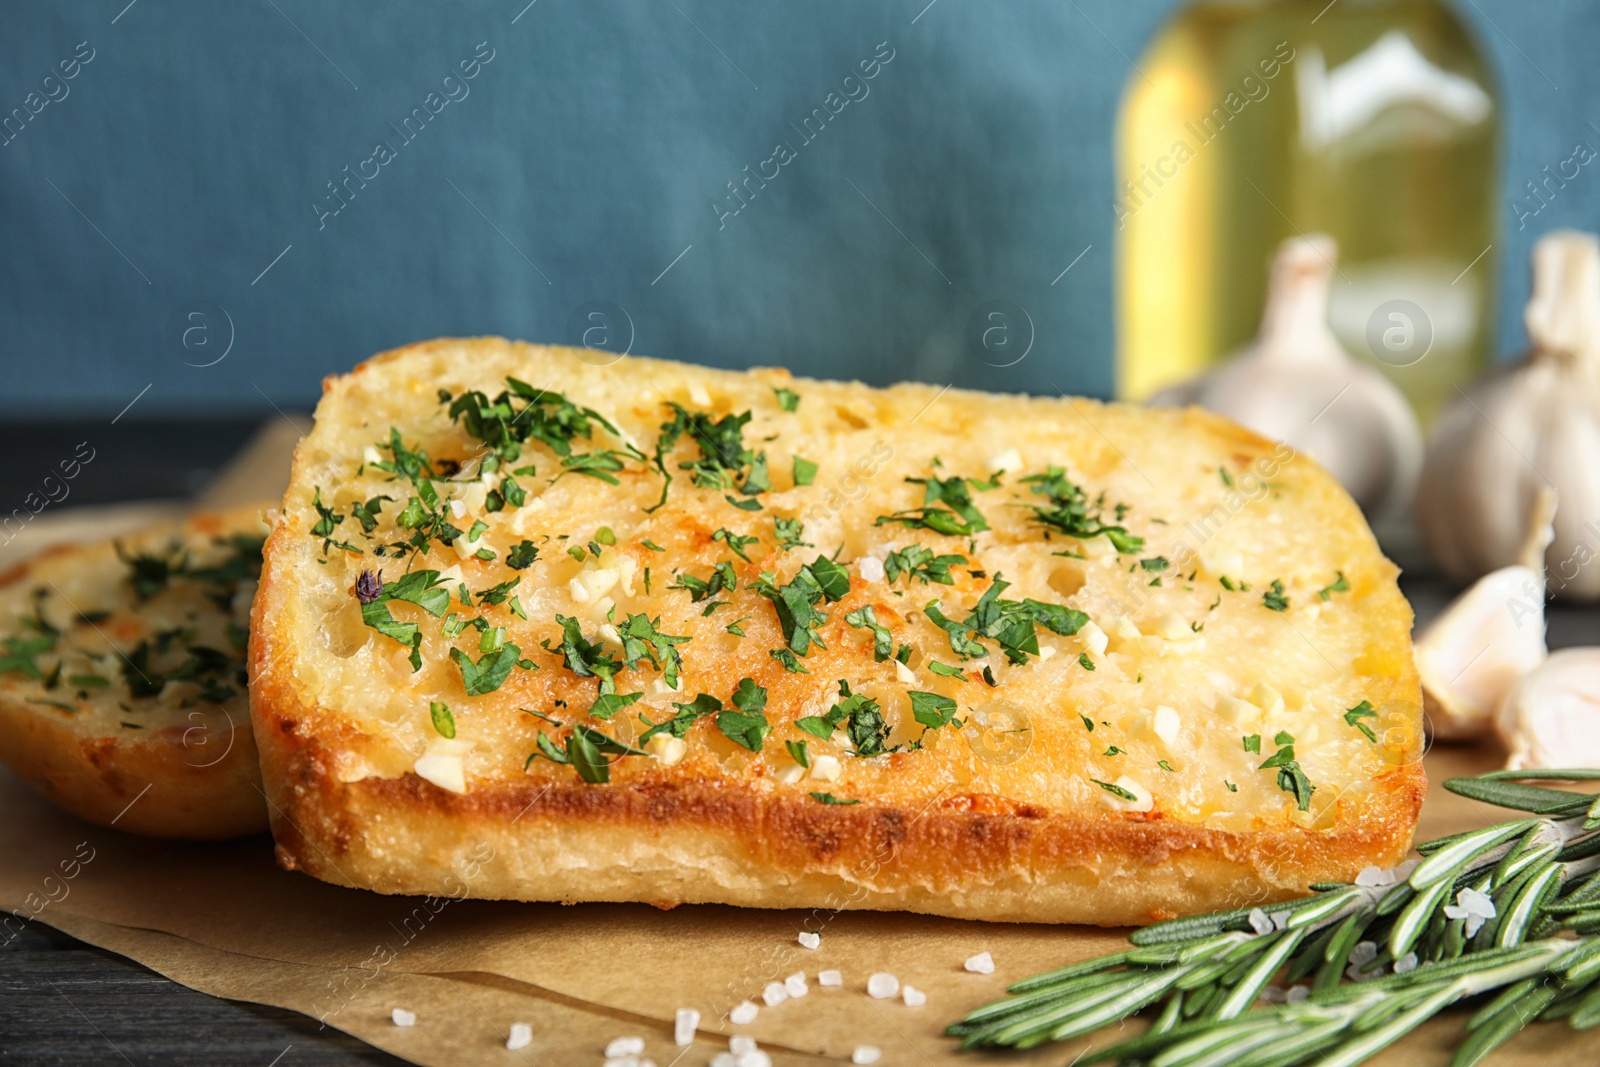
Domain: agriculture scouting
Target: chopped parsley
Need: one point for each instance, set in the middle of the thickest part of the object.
(788, 399)
(866, 618)
(1114, 789)
(1009, 623)
(805, 471)
(724, 462)
(932, 710)
(1085, 662)
(522, 555)
(1361, 711)
(796, 603)
(1340, 584)
(1154, 563)
(947, 507)
(746, 726)
(789, 533)
(1071, 513)
(608, 704)
(920, 563)
(799, 753)
(736, 543)
(586, 751)
(829, 798)
(688, 714)
(722, 578)
(1274, 597)
(1252, 743)
(1291, 779)
(421, 588)
(860, 716)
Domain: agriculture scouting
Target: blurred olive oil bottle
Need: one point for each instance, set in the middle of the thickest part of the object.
(1250, 121)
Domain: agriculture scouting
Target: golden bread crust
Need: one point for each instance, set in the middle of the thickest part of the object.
(942, 828)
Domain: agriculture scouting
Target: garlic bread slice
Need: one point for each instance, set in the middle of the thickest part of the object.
(122, 678)
(539, 626)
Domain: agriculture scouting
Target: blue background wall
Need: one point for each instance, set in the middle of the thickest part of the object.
(194, 149)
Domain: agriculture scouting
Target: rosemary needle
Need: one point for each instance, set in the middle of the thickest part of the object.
(1502, 917)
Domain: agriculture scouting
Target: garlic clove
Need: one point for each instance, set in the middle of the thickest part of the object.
(1478, 649)
(1296, 384)
(1552, 717)
(1531, 425)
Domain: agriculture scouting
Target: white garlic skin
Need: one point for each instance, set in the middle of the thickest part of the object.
(1296, 384)
(1552, 717)
(1478, 649)
(1523, 428)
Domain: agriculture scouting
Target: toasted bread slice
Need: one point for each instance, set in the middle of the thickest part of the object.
(122, 678)
(1105, 676)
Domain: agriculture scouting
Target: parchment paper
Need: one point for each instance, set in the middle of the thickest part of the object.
(223, 919)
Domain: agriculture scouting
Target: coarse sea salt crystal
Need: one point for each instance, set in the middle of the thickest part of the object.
(881, 986)
(754, 1058)
(402, 1017)
(914, 997)
(724, 1059)
(810, 939)
(982, 963)
(739, 1044)
(866, 1054)
(1406, 963)
(684, 1025)
(521, 1036)
(870, 568)
(743, 1014)
(830, 978)
(795, 985)
(1259, 921)
(774, 994)
(625, 1046)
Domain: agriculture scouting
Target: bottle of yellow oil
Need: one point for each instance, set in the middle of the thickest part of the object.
(1247, 122)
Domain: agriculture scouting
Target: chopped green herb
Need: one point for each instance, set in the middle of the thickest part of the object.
(1009, 623)
(1154, 563)
(805, 471)
(1114, 789)
(920, 563)
(688, 714)
(735, 542)
(1361, 711)
(1252, 743)
(608, 704)
(1340, 584)
(1113, 751)
(947, 507)
(522, 555)
(932, 710)
(1291, 779)
(1085, 662)
(1071, 513)
(829, 798)
(1274, 598)
(747, 726)
(866, 618)
(799, 753)
(791, 663)
(788, 399)
(444, 723)
(789, 532)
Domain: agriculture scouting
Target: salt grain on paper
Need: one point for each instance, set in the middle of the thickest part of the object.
(754, 1058)
(795, 985)
(830, 978)
(684, 1024)
(521, 1036)
(739, 1044)
(624, 1046)
(743, 1013)
(881, 986)
(809, 939)
(865, 1054)
(774, 994)
(724, 1059)
(914, 997)
(982, 963)
(402, 1017)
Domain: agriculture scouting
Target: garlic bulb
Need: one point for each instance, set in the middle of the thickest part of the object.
(1533, 424)
(1295, 384)
(1487, 640)
(1552, 717)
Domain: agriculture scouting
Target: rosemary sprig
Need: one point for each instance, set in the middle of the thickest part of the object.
(1502, 917)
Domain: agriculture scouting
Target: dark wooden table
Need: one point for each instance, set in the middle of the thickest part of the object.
(63, 1002)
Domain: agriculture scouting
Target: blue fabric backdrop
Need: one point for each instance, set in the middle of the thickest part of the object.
(212, 172)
